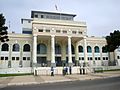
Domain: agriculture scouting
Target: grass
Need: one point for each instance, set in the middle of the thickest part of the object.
(8, 75)
(98, 71)
(112, 70)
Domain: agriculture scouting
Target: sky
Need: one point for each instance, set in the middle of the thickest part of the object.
(101, 16)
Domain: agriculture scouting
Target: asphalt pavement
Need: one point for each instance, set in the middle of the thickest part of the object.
(32, 80)
(97, 84)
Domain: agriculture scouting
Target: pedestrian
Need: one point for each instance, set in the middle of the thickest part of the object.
(52, 71)
(70, 70)
(66, 70)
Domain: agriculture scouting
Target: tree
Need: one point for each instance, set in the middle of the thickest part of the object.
(113, 42)
(3, 29)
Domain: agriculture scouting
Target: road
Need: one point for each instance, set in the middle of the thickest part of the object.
(102, 84)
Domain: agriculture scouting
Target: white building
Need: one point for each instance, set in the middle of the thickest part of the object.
(52, 39)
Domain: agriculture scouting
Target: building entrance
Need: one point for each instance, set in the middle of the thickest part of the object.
(42, 61)
(58, 61)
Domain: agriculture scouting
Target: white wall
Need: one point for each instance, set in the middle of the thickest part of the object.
(16, 70)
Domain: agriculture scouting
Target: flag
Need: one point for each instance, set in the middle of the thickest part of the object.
(56, 7)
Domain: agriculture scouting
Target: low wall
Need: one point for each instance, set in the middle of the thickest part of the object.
(16, 70)
(57, 70)
(47, 70)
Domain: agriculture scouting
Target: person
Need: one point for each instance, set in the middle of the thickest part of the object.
(70, 70)
(66, 70)
(52, 71)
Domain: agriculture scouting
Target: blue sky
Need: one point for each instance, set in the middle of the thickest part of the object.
(101, 16)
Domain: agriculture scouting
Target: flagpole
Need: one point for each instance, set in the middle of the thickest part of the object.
(9, 26)
(56, 7)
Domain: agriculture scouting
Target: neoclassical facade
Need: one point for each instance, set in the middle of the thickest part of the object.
(53, 39)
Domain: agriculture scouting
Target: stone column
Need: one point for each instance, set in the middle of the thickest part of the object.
(101, 59)
(35, 50)
(53, 51)
(69, 51)
(48, 53)
(21, 56)
(85, 51)
(63, 53)
(76, 54)
(10, 56)
(93, 56)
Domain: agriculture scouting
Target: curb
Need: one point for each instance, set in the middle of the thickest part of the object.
(35, 83)
(67, 80)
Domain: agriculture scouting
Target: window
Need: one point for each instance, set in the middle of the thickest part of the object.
(79, 32)
(74, 32)
(106, 58)
(80, 48)
(57, 31)
(47, 30)
(82, 58)
(26, 48)
(5, 47)
(28, 58)
(73, 49)
(42, 16)
(64, 31)
(104, 50)
(36, 16)
(6, 58)
(98, 58)
(118, 57)
(41, 49)
(57, 49)
(96, 49)
(89, 50)
(16, 47)
(40, 30)
(27, 32)
(95, 58)
(13, 58)
(2, 58)
(103, 58)
(17, 58)
(90, 58)
(24, 58)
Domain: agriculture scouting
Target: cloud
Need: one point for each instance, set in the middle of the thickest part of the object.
(100, 15)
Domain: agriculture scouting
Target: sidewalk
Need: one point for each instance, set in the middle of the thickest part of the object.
(30, 79)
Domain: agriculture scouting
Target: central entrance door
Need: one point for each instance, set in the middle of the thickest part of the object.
(58, 61)
(42, 61)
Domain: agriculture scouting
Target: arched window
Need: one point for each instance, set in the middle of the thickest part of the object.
(80, 48)
(96, 49)
(104, 49)
(72, 49)
(16, 47)
(5, 47)
(57, 49)
(41, 49)
(89, 50)
(26, 48)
